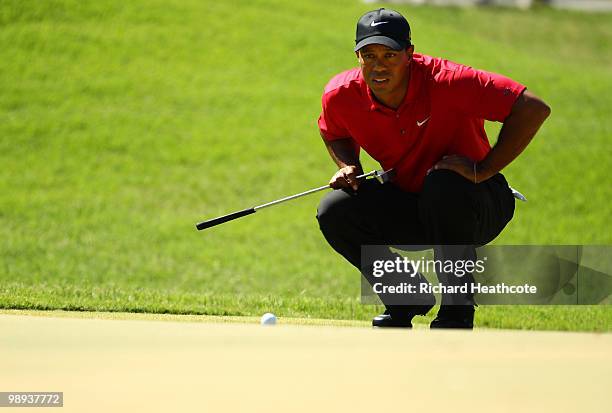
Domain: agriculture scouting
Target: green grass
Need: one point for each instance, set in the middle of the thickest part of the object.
(123, 123)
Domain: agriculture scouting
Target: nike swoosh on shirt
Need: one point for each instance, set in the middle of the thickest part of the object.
(377, 23)
(423, 121)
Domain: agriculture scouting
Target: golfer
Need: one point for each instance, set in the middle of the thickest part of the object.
(423, 117)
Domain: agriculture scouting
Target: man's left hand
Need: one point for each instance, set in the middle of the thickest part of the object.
(461, 165)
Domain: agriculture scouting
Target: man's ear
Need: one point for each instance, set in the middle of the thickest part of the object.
(410, 51)
(358, 56)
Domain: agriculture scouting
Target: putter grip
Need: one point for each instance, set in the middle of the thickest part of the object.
(224, 218)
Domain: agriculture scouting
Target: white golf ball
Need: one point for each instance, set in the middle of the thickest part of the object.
(268, 319)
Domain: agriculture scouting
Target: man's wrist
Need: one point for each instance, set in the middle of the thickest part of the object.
(481, 172)
(357, 166)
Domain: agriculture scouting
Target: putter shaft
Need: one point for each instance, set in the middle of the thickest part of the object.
(311, 191)
(238, 214)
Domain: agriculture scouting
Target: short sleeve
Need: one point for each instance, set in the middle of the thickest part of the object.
(481, 94)
(330, 126)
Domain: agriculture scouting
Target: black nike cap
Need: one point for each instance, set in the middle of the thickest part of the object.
(383, 26)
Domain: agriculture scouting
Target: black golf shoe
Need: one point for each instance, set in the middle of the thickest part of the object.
(400, 316)
(385, 320)
(454, 316)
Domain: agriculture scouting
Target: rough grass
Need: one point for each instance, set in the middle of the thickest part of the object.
(123, 123)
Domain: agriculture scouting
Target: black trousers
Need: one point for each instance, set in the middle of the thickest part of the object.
(450, 210)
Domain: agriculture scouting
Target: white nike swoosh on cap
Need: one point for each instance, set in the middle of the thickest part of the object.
(377, 23)
(423, 121)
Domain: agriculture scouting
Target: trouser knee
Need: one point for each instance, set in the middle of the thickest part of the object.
(332, 211)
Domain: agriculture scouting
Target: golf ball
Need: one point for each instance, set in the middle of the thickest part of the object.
(268, 319)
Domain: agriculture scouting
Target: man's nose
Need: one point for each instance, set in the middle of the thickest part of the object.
(379, 66)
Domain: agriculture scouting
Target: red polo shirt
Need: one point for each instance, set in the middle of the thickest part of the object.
(442, 114)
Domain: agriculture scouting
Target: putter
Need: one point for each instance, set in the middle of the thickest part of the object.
(381, 176)
(518, 195)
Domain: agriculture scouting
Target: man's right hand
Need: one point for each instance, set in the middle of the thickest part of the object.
(346, 177)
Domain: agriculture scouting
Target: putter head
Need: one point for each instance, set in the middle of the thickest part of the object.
(384, 176)
(518, 195)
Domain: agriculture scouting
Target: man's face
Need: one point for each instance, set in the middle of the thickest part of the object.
(385, 70)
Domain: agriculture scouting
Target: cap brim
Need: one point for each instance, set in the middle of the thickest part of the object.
(384, 40)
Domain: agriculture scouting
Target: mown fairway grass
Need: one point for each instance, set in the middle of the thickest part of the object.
(123, 123)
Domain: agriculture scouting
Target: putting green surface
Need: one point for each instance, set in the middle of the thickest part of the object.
(144, 365)
(124, 123)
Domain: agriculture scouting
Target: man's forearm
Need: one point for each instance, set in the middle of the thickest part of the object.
(528, 114)
(344, 153)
